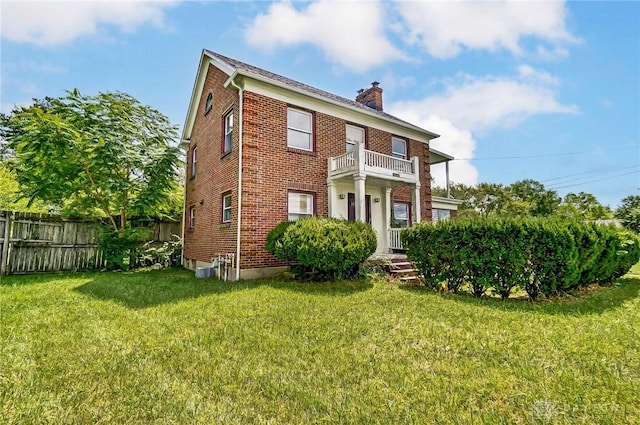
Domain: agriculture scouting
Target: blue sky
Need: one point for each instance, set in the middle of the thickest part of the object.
(542, 90)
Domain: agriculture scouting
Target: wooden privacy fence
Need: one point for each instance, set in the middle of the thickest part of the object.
(40, 243)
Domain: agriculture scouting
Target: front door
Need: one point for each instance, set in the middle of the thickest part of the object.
(351, 202)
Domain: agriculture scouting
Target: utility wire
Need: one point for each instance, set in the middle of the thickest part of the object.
(637, 172)
(588, 174)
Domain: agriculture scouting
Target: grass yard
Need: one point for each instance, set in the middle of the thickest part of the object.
(163, 347)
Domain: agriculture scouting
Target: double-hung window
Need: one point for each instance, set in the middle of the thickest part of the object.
(226, 208)
(398, 148)
(192, 217)
(228, 133)
(300, 205)
(355, 135)
(439, 214)
(400, 214)
(194, 160)
(299, 129)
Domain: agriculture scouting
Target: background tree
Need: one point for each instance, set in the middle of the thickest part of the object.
(10, 192)
(86, 154)
(629, 213)
(523, 198)
(583, 206)
(530, 197)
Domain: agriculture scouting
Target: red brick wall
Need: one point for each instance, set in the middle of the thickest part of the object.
(270, 170)
(215, 174)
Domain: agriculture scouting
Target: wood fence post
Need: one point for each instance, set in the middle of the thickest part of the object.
(4, 255)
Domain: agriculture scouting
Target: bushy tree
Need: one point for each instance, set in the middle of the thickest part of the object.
(583, 206)
(321, 247)
(86, 154)
(629, 213)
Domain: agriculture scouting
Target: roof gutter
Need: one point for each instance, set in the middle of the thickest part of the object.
(231, 81)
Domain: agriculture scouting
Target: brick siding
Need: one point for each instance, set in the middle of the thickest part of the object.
(270, 171)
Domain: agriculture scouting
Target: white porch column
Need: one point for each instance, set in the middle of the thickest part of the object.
(415, 203)
(331, 193)
(359, 185)
(387, 217)
(446, 165)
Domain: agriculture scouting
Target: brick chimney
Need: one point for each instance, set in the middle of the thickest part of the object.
(371, 97)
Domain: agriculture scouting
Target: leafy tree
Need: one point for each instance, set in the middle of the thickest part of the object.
(105, 153)
(529, 197)
(10, 191)
(629, 213)
(583, 206)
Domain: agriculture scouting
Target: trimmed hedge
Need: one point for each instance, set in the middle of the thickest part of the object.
(541, 256)
(323, 248)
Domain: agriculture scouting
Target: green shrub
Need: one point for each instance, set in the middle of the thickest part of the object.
(275, 234)
(326, 248)
(166, 253)
(120, 247)
(541, 256)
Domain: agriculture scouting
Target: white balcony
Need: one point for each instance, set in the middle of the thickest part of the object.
(373, 164)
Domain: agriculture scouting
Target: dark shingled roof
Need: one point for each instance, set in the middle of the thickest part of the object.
(300, 86)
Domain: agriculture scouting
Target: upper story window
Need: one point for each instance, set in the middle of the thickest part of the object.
(399, 148)
(355, 135)
(209, 104)
(192, 217)
(226, 208)
(400, 214)
(299, 129)
(300, 205)
(228, 133)
(194, 161)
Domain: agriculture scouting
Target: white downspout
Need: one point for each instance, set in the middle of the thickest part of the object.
(240, 107)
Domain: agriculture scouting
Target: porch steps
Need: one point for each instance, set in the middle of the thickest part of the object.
(402, 269)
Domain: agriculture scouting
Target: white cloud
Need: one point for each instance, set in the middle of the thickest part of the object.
(349, 33)
(445, 28)
(484, 103)
(469, 105)
(453, 141)
(52, 23)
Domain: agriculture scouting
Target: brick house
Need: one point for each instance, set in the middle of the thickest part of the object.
(262, 148)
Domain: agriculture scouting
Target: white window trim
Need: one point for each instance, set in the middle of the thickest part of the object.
(192, 217)
(408, 207)
(353, 143)
(228, 131)
(300, 130)
(194, 161)
(226, 208)
(311, 213)
(400, 155)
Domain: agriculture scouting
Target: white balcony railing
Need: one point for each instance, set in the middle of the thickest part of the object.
(394, 238)
(375, 159)
(376, 163)
(344, 161)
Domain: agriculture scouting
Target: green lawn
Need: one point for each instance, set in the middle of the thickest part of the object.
(164, 347)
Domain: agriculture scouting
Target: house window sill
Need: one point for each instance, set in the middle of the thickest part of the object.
(301, 151)
(226, 154)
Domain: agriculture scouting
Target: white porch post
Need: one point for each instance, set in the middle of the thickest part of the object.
(331, 192)
(415, 203)
(359, 184)
(387, 217)
(446, 165)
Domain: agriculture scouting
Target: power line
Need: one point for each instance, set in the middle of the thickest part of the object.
(518, 157)
(609, 170)
(598, 180)
(542, 155)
